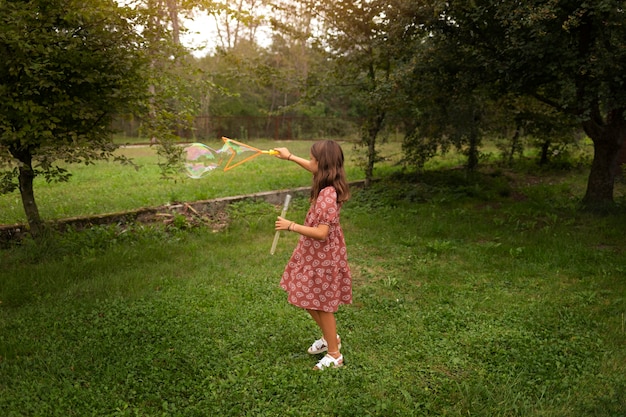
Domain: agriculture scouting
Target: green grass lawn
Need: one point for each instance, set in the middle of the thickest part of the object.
(481, 296)
(108, 187)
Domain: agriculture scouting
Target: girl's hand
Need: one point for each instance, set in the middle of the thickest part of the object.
(282, 224)
(319, 232)
(283, 153)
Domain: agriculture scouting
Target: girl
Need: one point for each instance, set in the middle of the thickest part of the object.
(317, 277)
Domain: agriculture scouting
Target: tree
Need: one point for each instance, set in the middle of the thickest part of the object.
(172, 79)
(68, 67)
(235, 20)
(270, 81)
(523, 117)
(570, 55)
(354, 33)
(445, 103)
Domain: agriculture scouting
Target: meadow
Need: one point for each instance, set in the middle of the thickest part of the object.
(488, 295)
(108, 187)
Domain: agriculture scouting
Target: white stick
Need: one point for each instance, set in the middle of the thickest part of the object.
(282, 214)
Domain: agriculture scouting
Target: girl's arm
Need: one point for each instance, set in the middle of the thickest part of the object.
(319, 232)
(285, 154)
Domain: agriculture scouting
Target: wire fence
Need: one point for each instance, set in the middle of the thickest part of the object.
(255, 127)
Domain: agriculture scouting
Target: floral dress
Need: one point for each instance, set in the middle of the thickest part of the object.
(317, 277)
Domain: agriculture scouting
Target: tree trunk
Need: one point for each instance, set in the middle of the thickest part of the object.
(472, 152)
(545, 147)
(607, 141)
(601, 179)
(173, 10)
(28, 198)
(515, 145)
(621, 162)
(373, 126)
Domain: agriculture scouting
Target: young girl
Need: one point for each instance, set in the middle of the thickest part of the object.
(317, 277)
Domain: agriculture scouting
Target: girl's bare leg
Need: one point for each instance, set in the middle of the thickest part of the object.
(329, 329)
(316, 317)
(328, 325)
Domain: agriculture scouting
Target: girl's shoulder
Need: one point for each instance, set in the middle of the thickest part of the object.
(328, 195)
(330, 189)
(328, 192)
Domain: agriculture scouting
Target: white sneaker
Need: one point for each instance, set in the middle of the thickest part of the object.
(329, 362)
(320, 346)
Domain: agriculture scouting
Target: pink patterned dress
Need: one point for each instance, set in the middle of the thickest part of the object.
(317, 277)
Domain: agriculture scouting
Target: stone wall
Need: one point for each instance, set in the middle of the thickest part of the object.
(208, 208)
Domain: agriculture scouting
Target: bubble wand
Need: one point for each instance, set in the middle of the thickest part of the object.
(236, 148)
(201, 159)
(282, 214)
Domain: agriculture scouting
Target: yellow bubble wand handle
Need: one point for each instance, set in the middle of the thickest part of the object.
(235, 148)
(282, 214)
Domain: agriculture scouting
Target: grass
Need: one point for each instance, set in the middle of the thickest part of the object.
(108, 187)
(468, 300)
(486, 294)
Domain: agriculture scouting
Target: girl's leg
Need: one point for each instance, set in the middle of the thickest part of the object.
(328, 326)
(316, 317)
(329, 329)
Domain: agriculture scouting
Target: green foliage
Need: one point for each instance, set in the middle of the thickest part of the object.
(400, 190)
(360, 79)
(72, 73)
(174, 86)
(91, 241)
(568, 55)
(7, 184)
(62, 81)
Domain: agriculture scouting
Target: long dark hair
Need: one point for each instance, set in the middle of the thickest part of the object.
(330, 171)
